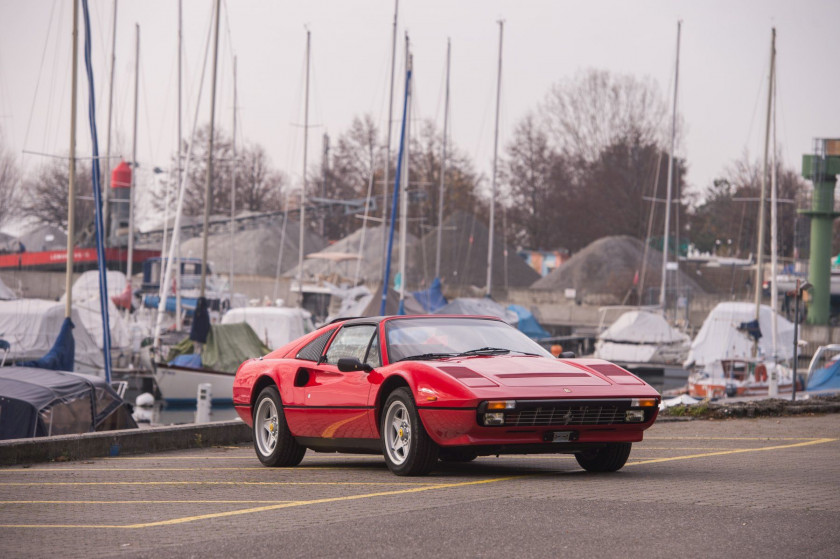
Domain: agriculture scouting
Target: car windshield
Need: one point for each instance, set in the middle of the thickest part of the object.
(439, 337)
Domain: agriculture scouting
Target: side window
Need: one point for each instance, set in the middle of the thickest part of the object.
(351, 341)
(313, 350)
(374, 356)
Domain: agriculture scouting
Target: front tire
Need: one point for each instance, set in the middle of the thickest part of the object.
(273, 442)
(408, 449)
(610, 458)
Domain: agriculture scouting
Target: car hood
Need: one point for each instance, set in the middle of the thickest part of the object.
(527, 371)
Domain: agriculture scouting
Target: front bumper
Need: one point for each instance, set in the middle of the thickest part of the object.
(535, 422)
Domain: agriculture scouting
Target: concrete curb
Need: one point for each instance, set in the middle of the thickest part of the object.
(123, 442)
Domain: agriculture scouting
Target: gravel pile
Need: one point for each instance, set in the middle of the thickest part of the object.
(371, 261)
(602, 273)
(256, 251)
(463, 259)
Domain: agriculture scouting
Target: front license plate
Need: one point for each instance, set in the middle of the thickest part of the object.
(563, 436)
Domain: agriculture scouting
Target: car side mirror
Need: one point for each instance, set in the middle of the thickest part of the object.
(350, 364)
(566, 355)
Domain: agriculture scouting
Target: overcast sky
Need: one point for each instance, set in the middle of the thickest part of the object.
(723, 69)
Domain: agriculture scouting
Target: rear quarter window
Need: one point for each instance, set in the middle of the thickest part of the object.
(313, 350)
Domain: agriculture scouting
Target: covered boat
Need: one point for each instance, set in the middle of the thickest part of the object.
(824, 370)
(274, 326)
(31, 327)
(723, 337)
(228, 345)
(40, 402)
(642, 337)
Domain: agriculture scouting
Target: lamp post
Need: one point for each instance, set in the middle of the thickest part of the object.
(797, 294)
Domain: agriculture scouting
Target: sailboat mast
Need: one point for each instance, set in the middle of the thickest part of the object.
(303, 186)
(107, 191)
(773, 389)
(406, 175)
(130, 256)
(388, 142)
(233, 184)
(760, 243)
(443, 161)
(71, 187)
(662, 293)
(209, 177)
(495, 162)
(177, 259)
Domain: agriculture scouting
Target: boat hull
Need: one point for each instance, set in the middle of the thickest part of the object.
(179, 385)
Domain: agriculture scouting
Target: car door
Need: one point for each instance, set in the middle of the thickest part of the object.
(336, 402)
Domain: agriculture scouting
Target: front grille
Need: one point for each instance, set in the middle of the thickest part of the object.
(565, 414)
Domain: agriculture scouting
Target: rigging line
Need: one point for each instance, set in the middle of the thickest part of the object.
(176, 228)
(51, 102)
(758, 96)
(40, 75)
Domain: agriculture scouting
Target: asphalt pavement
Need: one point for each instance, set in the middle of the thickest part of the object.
(747, 488)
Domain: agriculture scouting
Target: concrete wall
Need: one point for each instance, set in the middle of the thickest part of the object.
(36, 285)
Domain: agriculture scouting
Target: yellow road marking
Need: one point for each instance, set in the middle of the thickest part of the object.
(140, 502)
(725, 452)
(65, 483)
(208, 469)
(186, 519)
(702, 438)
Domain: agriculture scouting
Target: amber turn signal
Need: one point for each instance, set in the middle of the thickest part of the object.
(501, 405)
(643, 403)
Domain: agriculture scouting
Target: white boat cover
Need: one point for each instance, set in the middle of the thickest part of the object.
(642, 327)
(719, 337)
(642, 337)
(275, 326)
(86, 302)
(6, 294)
(31, 326)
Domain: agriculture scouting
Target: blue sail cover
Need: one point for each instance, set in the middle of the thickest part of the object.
(826, 378)
(527, 324)
(62, 356)
(431, 299)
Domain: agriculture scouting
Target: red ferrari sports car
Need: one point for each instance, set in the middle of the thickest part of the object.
(421, 388)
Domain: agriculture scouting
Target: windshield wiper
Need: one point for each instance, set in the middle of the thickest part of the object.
(427, 356)
(484, 351)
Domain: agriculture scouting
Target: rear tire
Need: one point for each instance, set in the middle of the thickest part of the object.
(408, 449)
(610, 458)
(273, 442)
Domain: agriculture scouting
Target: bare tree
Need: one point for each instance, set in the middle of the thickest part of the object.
(9, 180)
(45, 199)
(258, 187)
(731, 204)
(539, 188)
(596, 108)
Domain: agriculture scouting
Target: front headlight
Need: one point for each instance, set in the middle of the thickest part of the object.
(494, 418)
(634, 416)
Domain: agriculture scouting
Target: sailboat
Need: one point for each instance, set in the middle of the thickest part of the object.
(747, 368)
(641, 339)
(221, 348)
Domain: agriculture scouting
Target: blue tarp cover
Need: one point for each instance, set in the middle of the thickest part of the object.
(527, 324)
(187, 303)
(431, 299)
(62, 356)
(191, 360)
(826, 378)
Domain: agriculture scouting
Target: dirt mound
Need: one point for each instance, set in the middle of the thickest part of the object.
(463, 259)
(603, 272)
(256, 251)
